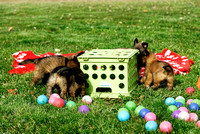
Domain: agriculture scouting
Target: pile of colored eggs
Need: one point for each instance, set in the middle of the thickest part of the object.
(59, 102)
(150, 117)
(123, 113)
(179, 111)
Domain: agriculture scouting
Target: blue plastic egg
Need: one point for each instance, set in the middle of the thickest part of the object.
(143, 112)
(194, 107)
(42, 99)
(123, 116)
(178, 104)
(170, 101)
(65, 102)
(151, 126)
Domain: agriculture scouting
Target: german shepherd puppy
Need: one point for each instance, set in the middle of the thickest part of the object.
(69, 80)
(155, 71)
(44, 66)
(141, 57)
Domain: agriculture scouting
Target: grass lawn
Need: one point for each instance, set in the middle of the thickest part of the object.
(73, 26)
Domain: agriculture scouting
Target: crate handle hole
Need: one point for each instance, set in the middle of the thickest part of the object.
(103, 89)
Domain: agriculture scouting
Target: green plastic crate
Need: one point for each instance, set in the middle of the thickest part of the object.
(110, 72)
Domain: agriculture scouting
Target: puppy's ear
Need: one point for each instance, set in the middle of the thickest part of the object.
(74, 58)
(135, 41)
(79, 54)
(145, 45)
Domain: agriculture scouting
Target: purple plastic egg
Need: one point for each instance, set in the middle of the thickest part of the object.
(176, 113)
(83, 109)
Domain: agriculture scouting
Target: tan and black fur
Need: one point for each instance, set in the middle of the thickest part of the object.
(69, 80)
(141, 57)
(44, 66)
(155, 71)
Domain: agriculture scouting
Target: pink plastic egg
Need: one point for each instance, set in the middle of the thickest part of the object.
(198, 124)
(150, 117)
(165, 127)
(193, 117)
(183, 109)
(189, 101)
(51, 100)
(55, 95)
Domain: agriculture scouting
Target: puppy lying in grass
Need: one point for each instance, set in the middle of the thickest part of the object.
(69, 80)
(155, 71)
(44, 66)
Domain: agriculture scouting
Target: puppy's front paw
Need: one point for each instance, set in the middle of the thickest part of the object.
(142, 80)
(147, 87)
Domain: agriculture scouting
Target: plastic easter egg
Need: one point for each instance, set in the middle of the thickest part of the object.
(55, 95)
(176, 113)
(196, 101)
(137, 110)
(183, 109)
(194, 107)
(130, 105)
(190, 90)
(51, 100)
(179, 97)
(198, 124)
(183, 116)
(151, 126)
(87, 99)
(59, 102)
(150, 117)
(170, 101)
(171, 108)
(181, 100)
(123, 116)
(42, 99)
(165, 127)
(70, 104)
(178, 104)
(65, 102)
(189, 101)
(143, 112)
(122, 109)
(84, 109)
(193, 117)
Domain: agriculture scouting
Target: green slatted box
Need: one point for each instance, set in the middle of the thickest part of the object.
(110, 72)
